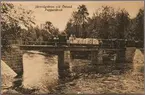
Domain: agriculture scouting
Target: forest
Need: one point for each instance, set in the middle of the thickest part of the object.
(106, 23)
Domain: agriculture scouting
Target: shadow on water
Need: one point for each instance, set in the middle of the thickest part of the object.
(47, 64)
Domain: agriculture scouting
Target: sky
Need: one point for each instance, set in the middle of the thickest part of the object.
(60, 18)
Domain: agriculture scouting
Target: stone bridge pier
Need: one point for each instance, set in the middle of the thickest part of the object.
(64, 61)
(61, 64)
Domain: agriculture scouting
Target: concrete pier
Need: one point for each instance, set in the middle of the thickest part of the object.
(61, 64)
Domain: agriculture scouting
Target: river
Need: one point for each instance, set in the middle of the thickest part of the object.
(40, 71)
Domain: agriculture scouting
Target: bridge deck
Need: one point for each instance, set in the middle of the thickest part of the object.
(61, 48)
(58, 48)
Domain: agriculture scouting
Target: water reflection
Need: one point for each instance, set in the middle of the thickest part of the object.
(40, 70)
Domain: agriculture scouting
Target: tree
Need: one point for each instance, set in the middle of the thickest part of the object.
(122, 23)
(49, 31)
(78, 21)
(12, 20)
(108, 23)
(131, 34)
(102, 24)
(70, 28)
(83, 13)
(48, 26)
(10, 13)
(139, 25)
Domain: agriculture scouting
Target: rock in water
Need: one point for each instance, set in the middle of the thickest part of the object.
(7, 75)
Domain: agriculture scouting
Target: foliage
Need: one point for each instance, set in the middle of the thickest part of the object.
(12, 20)
(105, 15)
(106, 23)
(139, 26)
(78, 21)
(18, 24)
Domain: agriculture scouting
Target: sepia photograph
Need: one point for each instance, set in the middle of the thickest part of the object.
(72, 47)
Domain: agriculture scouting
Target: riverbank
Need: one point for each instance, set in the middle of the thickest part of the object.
(108, 83)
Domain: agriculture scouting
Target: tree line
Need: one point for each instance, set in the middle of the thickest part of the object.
(106, 23)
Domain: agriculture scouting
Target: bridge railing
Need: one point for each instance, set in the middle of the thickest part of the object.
(114, 43)
(34, 42)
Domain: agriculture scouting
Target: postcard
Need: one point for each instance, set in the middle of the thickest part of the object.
(72, 47)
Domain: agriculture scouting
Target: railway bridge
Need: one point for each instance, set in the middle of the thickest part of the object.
(61, 48)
